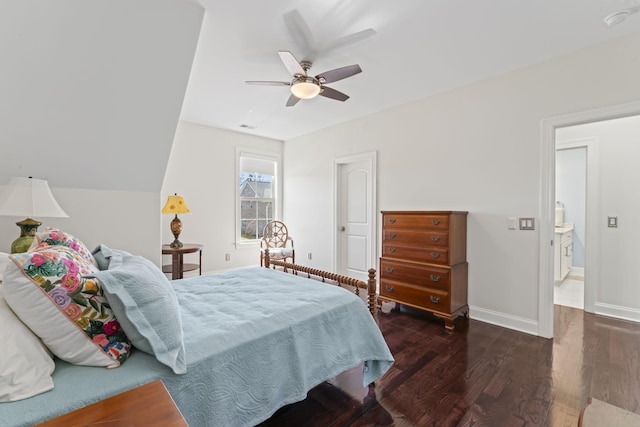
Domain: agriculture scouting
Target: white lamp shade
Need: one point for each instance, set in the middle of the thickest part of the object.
(29, 197)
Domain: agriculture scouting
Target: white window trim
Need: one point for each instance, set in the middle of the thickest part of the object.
(273, 156)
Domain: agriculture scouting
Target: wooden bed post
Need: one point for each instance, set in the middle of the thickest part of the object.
(266, 257)
(372, 294)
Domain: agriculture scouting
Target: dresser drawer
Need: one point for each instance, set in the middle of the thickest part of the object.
(417, 238)
(419, 221)
(432, 255)
(430, 299)
(419, 275)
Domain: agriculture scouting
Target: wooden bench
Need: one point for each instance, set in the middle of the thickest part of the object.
(144, 406)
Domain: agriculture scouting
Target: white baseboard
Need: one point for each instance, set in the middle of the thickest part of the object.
(531, 327)
(619, 312)
(576, 271)
(505, 320)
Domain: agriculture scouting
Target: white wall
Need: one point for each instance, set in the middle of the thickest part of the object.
(202, 168)
(92, 91)
(128, 220)
(477, 149)
(91, 95)
(617, 254)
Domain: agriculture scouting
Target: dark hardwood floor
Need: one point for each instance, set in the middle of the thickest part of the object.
(483, 375)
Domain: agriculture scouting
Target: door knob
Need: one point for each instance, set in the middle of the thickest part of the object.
(343, 228)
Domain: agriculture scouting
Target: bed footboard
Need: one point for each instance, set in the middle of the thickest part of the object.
(369, 285)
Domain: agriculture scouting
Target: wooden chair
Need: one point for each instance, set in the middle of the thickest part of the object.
(275, 236)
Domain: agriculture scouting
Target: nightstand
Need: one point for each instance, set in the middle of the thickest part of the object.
(177, 266)
(144, 406)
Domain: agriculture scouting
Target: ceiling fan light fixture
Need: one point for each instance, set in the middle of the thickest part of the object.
(305, 88)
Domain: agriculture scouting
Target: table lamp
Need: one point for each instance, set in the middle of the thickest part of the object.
(28, 197)
(176, 205)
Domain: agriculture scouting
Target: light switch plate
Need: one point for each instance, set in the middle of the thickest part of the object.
(527, 224)
(612, 222)
(512, 224)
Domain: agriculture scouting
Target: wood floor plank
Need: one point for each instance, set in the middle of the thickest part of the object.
(484, 375)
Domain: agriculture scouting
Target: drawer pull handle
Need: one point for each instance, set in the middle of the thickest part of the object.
(392, 250)
(392, 220)
(435, 221)
(389, 270)
(389, 288)
(435, 254)
(435, 278)
(435, 300)
(392, 235)
(435, 238)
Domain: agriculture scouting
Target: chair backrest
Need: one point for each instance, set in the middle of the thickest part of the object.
(275, 234)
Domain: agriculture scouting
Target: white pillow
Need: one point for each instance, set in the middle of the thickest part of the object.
(25, 363)
(4, 260)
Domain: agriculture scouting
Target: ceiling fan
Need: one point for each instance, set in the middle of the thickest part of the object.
(304, 86)
(310, 46)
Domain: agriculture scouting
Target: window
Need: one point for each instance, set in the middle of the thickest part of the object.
(256, 194)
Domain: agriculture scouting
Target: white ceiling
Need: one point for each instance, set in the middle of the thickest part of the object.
(421, 47)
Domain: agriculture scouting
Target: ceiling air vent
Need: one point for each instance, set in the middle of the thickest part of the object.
(620, 16)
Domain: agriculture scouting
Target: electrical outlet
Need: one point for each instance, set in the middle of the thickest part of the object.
(227, 257)
(309, 256)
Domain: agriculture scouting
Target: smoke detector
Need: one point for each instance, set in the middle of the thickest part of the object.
(618, 17)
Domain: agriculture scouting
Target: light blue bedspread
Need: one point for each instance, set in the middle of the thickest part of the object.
(256, 340)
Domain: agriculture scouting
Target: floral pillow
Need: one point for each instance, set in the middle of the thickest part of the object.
(54, 237)
(47, 289)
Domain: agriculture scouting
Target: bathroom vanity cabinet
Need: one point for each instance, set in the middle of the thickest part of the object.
(563, 245)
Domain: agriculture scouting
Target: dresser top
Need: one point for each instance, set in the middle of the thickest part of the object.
(425, 212)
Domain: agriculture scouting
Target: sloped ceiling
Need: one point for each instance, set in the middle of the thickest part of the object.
(421, 47)
(91, 91)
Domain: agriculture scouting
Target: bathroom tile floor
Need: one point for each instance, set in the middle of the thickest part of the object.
(570, 292)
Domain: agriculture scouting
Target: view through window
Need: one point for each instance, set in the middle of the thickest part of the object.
(257, 196)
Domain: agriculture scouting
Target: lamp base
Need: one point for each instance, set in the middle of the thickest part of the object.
(176, 229)
(176, 244)
(28, 228)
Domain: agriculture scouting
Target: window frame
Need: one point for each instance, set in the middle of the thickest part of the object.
(258, 154)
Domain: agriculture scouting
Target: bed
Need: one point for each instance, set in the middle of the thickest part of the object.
(253, 340)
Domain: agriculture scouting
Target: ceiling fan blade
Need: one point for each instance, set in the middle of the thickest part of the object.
(327, 92)
(267, 83)
(291, 63)
(293, 100)
(339, 73)
(300, 32)
(349, 39)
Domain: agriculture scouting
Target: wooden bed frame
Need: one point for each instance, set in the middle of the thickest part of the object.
(339, 280)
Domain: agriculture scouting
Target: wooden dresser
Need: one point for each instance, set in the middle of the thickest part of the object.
(424, 261)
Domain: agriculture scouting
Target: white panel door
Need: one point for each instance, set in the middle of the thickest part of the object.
(355, 219)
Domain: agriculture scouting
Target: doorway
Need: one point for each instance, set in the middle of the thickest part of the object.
(576, 163)
(355, 215)
(547, 216)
